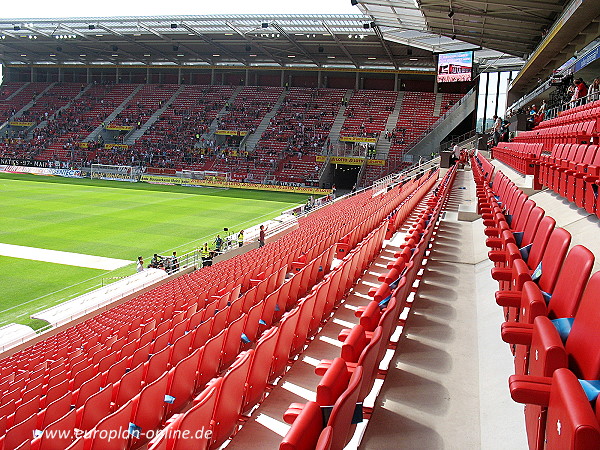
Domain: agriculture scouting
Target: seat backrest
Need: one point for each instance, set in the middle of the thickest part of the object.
(181, 348)
(230, 398)
(369, 361)
(194, 420)
(233, 341)
(570, 282)
(57, 409)
(260, 367)
(96, 408)
(211, 359)
(334, 381)
(571, 423)
(20, 432)
(111, 432)
(182, 380)
(343, 411)
(281, 354)
(354, 344)
(306, 429)
(553, 258)
(157, 365)
(582, 343)
(149, 406)
(540, 241)
(531, 225)
(130, 385)
(59, 434)
(590, 153)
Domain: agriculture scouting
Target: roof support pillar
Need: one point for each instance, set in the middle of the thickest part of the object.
(32, 74)
(357, 81)
(319, 78)
(246, 80)
(88, 75)
(179, 75)
(396, 81)
(148, 75)
(212, 76)
(61, 76)
(117, 75)
(282, 77)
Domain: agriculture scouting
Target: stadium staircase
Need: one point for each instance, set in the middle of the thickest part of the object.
(215, 123)
(31, 103)
(98, 131)
(336, 128)
(383, 144)
(131, 138)
(252, 140)
(43, 123)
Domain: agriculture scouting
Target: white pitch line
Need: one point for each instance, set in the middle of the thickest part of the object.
(58, 257)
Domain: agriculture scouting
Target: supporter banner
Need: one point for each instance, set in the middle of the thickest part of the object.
(350, 161)
(109, 146)
(231, 132)
(23, 162)
(156, 179)
(84, 145)
(68, 173)
(21, 124)
(369, 140)
(119, 127)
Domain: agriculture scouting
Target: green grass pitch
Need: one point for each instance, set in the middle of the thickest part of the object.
(111, 219)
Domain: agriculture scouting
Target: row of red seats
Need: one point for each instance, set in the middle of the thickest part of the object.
(348, 379)
(573, 171)
(551, 319)
(520, 156)
(581, 113)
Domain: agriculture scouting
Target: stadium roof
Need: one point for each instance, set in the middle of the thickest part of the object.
(318, 41)
(508, 29)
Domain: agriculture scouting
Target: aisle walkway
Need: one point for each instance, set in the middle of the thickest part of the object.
(447, 386)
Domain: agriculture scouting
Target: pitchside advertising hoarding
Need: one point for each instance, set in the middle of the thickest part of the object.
(161, 179)
(457, 66)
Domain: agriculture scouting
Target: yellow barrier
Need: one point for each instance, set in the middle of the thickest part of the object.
(21, 124)
(351, 161)
(231, 132)
(158, 179)
(358, 139)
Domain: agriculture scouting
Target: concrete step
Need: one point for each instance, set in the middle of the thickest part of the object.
(136, 134)
(94, 134)
(252, 140)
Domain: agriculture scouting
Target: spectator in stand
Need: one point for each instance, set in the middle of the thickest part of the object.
(594, 90)
(496, 129)
(261, 236)
(579, 93)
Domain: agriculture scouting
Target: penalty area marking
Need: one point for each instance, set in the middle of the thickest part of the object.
(66, 258)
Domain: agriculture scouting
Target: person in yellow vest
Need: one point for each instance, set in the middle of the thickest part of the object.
(241, 238)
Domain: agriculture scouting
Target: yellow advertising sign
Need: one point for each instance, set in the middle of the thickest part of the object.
(119, 127)
(350, 161)
(109, 146)
(231, 132)
(84, 145)
(358, 139)
(21, 124)
(161, 179)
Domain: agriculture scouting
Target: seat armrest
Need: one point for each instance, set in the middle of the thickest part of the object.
(517, 333)
(508, 299)
(530, 390)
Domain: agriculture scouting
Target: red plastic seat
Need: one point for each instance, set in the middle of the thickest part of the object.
(230, 399)
(258, 374)
(111, 433)
(196, 423)
(182, 381)
(96, 407)
(210, 359)
(149, 408)
(58, 435)
(129, 386)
